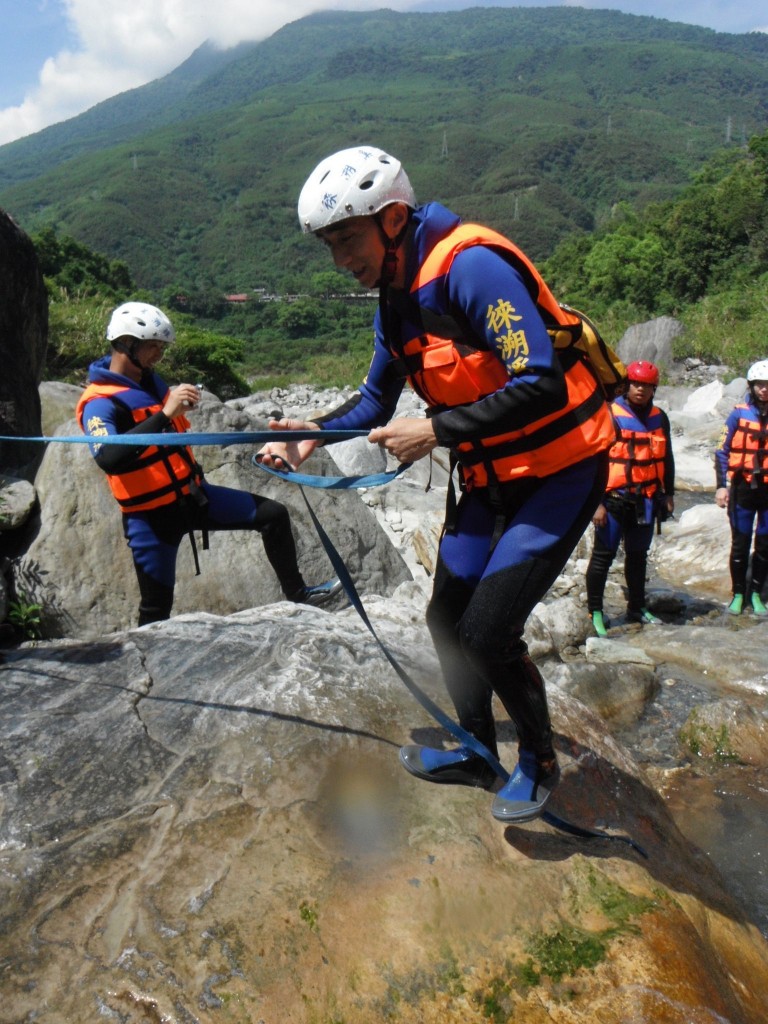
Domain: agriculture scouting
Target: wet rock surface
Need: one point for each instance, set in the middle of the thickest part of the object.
(205, 820)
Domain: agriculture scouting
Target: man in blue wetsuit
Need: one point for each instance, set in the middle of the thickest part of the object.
(463, 317)
(741, 463)
(161, 491)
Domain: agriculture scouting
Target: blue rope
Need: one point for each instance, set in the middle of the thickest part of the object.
(426, 702)
(223, 439)
(333, 482)
(175, 440)
(329, 436)
(457, 731)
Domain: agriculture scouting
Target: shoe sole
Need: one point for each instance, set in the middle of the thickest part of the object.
(449, 776)
(520, 817)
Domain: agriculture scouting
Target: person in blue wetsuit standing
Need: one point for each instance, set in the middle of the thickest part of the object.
(463, 317)
(161, 490)
(741, 464)
(640, 493)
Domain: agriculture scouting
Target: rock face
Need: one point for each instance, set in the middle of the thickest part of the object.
(79, 568)
(23, 340)
(651, 341)
(204, 820)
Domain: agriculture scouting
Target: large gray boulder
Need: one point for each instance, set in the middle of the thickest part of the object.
(651, 341)
(204, 820)
(23, 341)
(79, 568)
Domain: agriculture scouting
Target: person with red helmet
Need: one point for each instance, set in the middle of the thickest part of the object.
(740, 460)
(641, 486)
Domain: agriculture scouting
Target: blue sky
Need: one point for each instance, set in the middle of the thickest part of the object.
(60, 57)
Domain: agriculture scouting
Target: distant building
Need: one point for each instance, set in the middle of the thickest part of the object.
(241, 297)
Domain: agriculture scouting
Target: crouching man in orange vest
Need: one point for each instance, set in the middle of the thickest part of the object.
(161, 490)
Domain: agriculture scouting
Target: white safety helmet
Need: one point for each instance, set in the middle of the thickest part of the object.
(141, 321)
(758, 371)
(355, 182)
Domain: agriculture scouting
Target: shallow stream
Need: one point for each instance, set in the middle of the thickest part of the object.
(723, 808)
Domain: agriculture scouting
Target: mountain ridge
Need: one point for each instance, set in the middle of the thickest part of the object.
(538, 120)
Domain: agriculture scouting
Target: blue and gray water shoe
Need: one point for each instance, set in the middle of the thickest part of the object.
(320, 594)
(459, 767)
(524, 797)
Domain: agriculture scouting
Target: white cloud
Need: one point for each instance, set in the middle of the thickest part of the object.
(127, 43)
(121, 44)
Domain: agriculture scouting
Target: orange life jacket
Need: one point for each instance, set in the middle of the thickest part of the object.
(447, 374)
(637, 457)
(159, 476)
(748, 451)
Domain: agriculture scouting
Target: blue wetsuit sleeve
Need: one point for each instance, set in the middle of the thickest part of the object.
(102, 417)
(669, 457)
(492, 297)
(375, 401)
(723, 450)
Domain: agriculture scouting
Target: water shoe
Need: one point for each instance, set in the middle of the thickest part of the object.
(458, 767)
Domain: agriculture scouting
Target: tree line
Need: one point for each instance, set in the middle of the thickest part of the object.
(702, 257)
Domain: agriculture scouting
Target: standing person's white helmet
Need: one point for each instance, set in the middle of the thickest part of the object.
(141, 321)
(758, 371)
(356, 182)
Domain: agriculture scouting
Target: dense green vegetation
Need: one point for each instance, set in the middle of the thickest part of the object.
(702, 257)
(83, 287)
(536, 120)
(612, 148)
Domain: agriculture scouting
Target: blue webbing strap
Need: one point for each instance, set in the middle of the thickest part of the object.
(174, 440)
(223, 439)
(262, 437)
(253, 437)
(333, 482)
(464, 737)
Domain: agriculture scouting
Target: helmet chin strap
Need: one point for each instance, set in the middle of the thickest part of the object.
(130, 351)
(391, 248)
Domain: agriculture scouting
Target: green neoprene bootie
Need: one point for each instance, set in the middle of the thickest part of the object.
(644, 617)
(598, 623)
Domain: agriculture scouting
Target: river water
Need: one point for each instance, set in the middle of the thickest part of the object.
(723, 809)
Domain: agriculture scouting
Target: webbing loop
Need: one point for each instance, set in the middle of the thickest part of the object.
(333, 482)
(459, 733)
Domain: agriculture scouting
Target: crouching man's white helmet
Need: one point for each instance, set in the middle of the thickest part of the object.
(758, 371)
(141, 321)
(355, 182)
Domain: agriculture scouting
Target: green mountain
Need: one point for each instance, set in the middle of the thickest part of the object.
(536, 120)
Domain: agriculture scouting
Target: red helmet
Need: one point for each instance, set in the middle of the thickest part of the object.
(642, 372)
